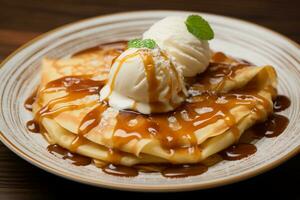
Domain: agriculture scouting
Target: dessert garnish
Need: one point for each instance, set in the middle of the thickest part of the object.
(139, 43)
(199, 27)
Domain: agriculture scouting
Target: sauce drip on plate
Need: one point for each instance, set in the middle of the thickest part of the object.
(33, 126)
(181, 171)
(30, 100)
(238, 151)
(75, 159)
(281, 103)
(273, 127)
(119, 170)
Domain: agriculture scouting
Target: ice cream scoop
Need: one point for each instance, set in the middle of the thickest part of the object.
(171, 34)
(144, 80)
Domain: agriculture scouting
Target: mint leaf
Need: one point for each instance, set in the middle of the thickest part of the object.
(199, 27)
(149, 43)
(135, 43)
(139, 43)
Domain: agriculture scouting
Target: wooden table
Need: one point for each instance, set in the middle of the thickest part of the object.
(22, 20)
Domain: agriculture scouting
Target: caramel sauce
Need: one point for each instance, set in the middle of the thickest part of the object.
(217, 74)
(114, 155)
(219, 57)
(76, 87)
(168, 171)
(273, 127)
(120, 170)
(250, 135)
(175, 129)
(281, 103)
(180, 171)
(151, 76)
(75, 159)
(238, 151)
(30, 100)
(90, 121)
(33, 126)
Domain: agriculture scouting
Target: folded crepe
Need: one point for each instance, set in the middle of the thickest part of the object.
(228, 98)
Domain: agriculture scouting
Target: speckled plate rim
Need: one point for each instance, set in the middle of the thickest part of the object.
(152, 188)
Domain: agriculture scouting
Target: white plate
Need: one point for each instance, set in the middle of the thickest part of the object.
(20, 74)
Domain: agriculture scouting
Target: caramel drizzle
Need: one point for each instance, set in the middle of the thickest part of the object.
(153, 83)
(217, 74)
(214, 107)
(75, 87)
(30, 101)
(113, 80)
(187, 118)
(65, 154)
(90, 121)
(174, 70)
(149, 67)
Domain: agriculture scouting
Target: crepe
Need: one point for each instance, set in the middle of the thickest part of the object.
(121, 137)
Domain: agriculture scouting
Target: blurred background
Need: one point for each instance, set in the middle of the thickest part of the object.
(22, 20)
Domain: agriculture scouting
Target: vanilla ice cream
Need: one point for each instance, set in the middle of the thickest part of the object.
(191, 54)
(144, 80)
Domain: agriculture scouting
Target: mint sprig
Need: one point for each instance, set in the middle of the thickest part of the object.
(199, 27)
(139, 43)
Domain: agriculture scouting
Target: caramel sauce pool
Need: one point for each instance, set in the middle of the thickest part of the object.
(33, 126)
(238, 151)
(181, 171)
(75, 159)
(200, 109)
(273, 127)
(30, 100)
(119, 170)
(281, 103)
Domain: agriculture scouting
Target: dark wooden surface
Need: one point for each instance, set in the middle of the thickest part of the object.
(22, 20)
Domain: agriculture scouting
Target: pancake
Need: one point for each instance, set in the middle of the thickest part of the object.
(223, 102)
